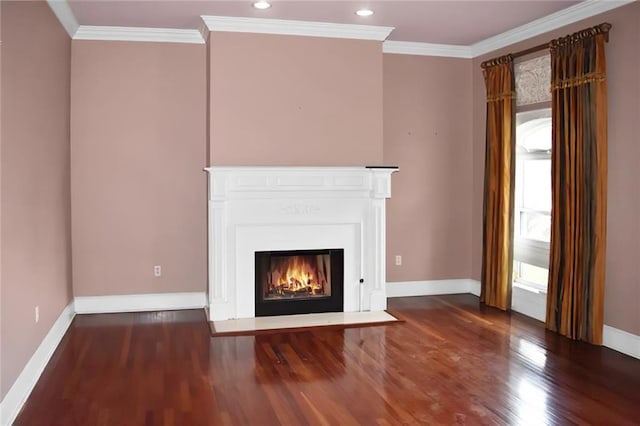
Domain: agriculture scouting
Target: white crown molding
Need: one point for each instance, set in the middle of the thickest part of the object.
(65, 15)
(161, 35)
(296, 28)
(204, 31)
(19, 392)
(426, 49)
(140, 302)
(578, 12)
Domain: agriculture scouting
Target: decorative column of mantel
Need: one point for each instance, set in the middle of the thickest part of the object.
(295, 208)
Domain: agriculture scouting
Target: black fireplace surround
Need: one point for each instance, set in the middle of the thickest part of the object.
(320, 290)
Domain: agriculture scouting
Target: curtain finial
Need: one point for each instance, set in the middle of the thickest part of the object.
(497, 61)
(582, 35)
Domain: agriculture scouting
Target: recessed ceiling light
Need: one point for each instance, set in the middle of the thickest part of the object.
(262, 4)
(364, 12)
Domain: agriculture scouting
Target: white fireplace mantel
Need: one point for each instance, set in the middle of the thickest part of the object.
(295, 208)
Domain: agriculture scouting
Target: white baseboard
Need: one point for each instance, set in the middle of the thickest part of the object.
(621, 341)
(13, 401)
(140, 302)
(431, 287)
(525, 302)
(22, 387)
(530, 303)
(24, 384)
(475, 287)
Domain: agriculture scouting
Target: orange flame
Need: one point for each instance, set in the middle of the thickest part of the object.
(298, 274)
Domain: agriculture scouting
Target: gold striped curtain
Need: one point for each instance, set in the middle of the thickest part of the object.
(499, 183)
(575, 297)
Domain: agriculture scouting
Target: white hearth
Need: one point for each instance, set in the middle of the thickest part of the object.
(255, 209)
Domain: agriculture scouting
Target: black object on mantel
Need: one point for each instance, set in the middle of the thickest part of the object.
(381, 167)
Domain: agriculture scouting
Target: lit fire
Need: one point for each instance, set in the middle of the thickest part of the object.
(295, 276)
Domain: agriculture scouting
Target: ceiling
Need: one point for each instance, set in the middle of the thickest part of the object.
(450, 22)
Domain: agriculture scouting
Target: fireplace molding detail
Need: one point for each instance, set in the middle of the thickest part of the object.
(255, 209)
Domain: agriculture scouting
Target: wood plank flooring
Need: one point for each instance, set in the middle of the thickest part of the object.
(451, 362)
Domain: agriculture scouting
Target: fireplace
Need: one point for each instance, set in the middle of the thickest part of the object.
(299, 281)
(278, 209)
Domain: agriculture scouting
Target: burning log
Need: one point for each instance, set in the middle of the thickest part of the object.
(298, 276)
(295, 283)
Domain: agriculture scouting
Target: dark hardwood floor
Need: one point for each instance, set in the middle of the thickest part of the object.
(451, 362)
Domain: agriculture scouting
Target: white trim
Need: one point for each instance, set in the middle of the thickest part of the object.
(65, 15)
(204, 31)
(526, 302)
(559, 19)
(580, 11)
(621, 341)
(296, 28)
(24, 384)
(529, 302)
(475, 287)
(161, 35)
(613, 338)
(140, 302)
(426, 49)
(429, 288)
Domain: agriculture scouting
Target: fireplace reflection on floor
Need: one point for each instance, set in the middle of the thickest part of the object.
(283, 352)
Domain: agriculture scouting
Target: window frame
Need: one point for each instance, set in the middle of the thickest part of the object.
(527, 250)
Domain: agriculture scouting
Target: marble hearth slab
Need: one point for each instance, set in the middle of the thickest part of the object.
(290, 322)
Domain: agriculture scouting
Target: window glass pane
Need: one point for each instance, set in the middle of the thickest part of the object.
(530, 274)
(533, 130)
(535, 226)
(537, 185)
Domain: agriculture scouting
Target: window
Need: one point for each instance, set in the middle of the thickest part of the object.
(532, 224)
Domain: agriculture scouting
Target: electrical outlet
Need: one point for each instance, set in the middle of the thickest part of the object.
(398, 260)
(37, 313)
(157, 271)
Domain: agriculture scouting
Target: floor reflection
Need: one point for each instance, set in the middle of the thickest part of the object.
(303, 356)
(533, 353)
(532, 403)
(531, 391)
(449, 362)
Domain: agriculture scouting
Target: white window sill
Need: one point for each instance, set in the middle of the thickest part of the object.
(532, 289)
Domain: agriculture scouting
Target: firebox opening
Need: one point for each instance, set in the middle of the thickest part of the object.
(299, 281)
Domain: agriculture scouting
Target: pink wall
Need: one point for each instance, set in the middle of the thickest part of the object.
(139, 119)
(622, 293)
(36, 246)
(138, 148)
(427, 132)
(285, 100)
